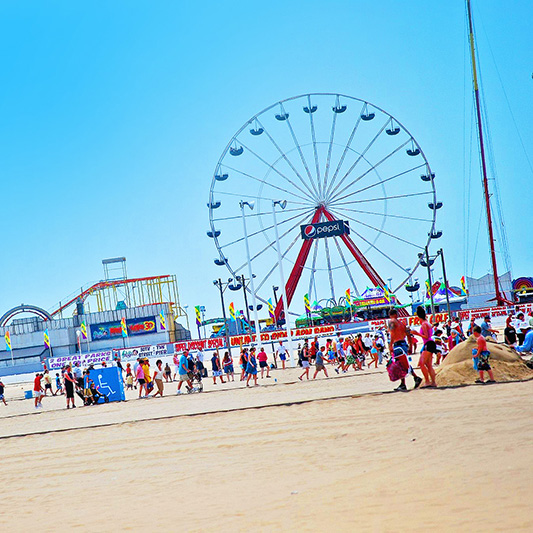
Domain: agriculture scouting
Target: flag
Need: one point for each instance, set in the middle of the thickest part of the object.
(162, 321)
(463, 286)
(348, 297)
(428, 290)
(123, 326)
(270, 309)
(307, 304)
(7, 338)
(232, 312)
(83, 328)
(46, 338)
(386, 293)
(198, 315)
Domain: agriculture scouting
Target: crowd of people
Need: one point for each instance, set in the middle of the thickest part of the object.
(392, 345)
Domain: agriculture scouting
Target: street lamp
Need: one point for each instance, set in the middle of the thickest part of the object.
(275, 290)
(218, 283)
(283, 205)
(242, 203)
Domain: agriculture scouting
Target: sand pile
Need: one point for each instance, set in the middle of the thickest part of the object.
(458, 368)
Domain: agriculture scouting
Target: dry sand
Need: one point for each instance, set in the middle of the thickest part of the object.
(452, 459)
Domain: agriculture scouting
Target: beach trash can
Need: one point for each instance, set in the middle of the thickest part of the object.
(28, 394)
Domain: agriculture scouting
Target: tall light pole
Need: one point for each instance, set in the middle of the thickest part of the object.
(283, 204)
(254, 302)
(218, 283)
(441, 253)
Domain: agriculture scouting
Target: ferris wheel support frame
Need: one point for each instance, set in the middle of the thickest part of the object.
(294, 278)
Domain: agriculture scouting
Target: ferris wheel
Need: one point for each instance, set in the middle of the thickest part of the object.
(323, 158)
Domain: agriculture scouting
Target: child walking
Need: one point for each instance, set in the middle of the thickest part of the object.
(481, 355)
(251, 368)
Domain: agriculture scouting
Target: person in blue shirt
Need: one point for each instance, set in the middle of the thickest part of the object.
(251, 368)
(183, 371)
(486, 328)
(527, 345)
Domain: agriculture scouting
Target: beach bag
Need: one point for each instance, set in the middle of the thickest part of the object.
(396, 371)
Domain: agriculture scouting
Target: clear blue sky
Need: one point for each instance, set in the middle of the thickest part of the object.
(114, 114)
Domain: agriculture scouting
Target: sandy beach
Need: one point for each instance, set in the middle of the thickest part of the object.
(341, 453)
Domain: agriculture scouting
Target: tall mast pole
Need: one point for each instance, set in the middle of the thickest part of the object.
(499, 297)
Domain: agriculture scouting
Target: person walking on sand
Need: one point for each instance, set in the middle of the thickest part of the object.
(341, 356)
(282, 353)
(47, 383)
(2, 392)
(319, 362)
(243, 362)
(176, 361)
(216, 368)
(251, 368)
(428, 349)
(158, 378)
(59, 387)
(481, 355)
(139, 374)
(70, 384)
(227, 363)
(183, 372)
(350, 357)
(399, 349)
(168, 373)
(38, 392)
(374, 355)
(262, 357)
(305, 361)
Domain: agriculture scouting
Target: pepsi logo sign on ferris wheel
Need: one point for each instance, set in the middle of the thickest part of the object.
(331, 228)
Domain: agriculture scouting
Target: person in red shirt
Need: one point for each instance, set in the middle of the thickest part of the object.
(481, 355)
(38, 392)
(398, 366)
(262, 357)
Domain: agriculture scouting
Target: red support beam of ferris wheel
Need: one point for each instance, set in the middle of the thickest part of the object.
(297, 269)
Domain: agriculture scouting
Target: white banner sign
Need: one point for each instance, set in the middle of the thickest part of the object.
(85, 359)
(131, 354)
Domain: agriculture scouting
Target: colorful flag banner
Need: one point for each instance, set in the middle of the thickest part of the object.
(270, 309)
(198, 315)
(463, 286)
(7, 338)
(46, 338)
(386, 293)
(124, 327)
(232, 312)
(428, 290)
(162, 321)
(83, 329)
(348, 297)
(307, 304)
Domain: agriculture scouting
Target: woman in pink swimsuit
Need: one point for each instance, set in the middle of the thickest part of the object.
(429, 348)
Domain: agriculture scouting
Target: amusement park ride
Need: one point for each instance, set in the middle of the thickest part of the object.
(357, 190)
(111, 294)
